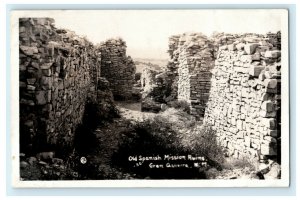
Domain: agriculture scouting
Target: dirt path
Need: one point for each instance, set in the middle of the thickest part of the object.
(132, 111)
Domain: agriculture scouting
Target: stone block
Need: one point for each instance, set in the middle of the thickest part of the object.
(240, 134)
(31, 81)
(241, 70)
(268, 106)
(47, 72)
(270, 83)
(46, 82)
(264, 113)
(40, 97)
(34, 65)
(29, 51)
(246, 58)
(239, 124)
(231, 47)
(250, 48)
(268, 148)
(247, 141)
(269, 139)
(240, 46)
(269, 123)
(265, 97)
(46, 65)
(256, 57)
(273, 54)
(245, 92)
(224, 47)
(274, 133)
(30, 87)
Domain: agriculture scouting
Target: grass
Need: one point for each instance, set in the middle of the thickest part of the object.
(180, 104)
(172, 132)
(241, 163)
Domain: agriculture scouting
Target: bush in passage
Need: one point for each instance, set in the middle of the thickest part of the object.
(180, 104)
(163, 135)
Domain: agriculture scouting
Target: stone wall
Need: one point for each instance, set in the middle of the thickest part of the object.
(118, 68)
(171, 70)
(58, 70)
(196, 59)
(153, 84)
(244, 102)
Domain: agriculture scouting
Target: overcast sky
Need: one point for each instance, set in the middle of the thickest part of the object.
(146, 32)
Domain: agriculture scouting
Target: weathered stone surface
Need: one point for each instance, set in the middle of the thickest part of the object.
(269, 123)
(46, 65)
(31, 81)
(195, 60)
(256, 70)
(240, 46)
(268, 106)
(273, 54)
(250, 48)
(268, 149)
(118, 68)
(29, 51)
(270, 83)
(242, 103)
(231, 47)
(41, 97)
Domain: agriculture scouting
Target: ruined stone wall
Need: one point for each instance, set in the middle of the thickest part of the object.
(171, 70)
(244, 102)
(153, 89)
(147, 78)
(118, 68)
(196, 58)
(188, 70)
(58, 70)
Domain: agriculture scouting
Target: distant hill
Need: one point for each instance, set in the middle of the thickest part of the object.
(155, 64)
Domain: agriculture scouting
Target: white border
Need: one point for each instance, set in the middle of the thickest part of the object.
(283, 182)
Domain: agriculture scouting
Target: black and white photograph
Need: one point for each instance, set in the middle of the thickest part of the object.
(150, 98)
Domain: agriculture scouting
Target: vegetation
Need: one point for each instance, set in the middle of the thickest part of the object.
(163, 136)
(180, 104)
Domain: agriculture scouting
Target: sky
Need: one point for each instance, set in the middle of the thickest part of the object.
(146, 32)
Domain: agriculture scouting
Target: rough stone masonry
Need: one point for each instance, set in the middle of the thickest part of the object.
(195, 59)
(58, 72)
(233, 81)
(118, 68)
(244, 102)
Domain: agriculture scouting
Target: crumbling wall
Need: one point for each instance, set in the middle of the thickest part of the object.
(58, 70)
(171, 70)
(244, 102)
(118, 68)
(153, 90)
(196, 59)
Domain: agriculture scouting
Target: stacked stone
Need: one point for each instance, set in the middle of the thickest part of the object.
(244, 102)
(148, 79)
(153, 90)
(117, 68)
(171, 70)
(56, 68)
(275, 39)
(195, 58)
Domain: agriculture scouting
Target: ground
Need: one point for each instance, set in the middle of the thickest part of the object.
(115, 140)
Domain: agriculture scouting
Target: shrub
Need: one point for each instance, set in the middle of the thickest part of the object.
(203, 141)
(148, 105)
(240, 163)
(161, 135)
(137, 76)
(180, 104)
